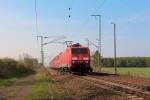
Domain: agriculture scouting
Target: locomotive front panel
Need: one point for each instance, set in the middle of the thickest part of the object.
(80, 59)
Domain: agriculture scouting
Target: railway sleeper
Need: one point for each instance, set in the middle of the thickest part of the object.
(122, 88)
(144, 88)
(110, 88)
(132, 91)
(147, 88)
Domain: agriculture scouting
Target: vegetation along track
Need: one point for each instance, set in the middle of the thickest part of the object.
(128, 90)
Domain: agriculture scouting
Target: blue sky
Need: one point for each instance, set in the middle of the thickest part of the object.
(18, 35)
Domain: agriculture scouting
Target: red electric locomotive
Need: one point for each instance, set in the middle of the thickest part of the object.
(76, 58)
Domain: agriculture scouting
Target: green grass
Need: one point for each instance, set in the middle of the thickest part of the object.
(44, 89)
(7, 82)
(12, 78)
(40, 88)
(130, 71)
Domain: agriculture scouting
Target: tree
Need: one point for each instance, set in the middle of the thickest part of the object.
(94, 58)
(29, 61)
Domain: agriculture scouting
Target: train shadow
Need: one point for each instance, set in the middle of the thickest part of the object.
(94, 74)
(79, 74)
(101, 74)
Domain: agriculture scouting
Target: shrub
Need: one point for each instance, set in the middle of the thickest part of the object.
(12, 68)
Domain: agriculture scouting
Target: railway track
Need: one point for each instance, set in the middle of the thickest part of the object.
(131, 92)
(144, 88)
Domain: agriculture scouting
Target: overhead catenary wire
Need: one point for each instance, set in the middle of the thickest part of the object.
(71, 3)
(36, 29)
(85, 23)
(70, 8)
(68, 16)
(100, 6)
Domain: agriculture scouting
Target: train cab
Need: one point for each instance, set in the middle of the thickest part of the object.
(80, 58)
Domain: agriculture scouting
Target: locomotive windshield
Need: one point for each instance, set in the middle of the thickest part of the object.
(79, 51)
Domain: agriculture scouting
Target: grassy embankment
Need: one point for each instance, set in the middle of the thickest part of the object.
(44, 89)
(129, 71)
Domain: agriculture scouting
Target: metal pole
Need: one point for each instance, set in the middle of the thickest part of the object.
(99, 43)
(115, 55)
(43, 44)
(99, 56)
(42, 52)
(88, 44)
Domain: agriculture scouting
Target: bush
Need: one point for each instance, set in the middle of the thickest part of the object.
(12, 68)
(29, 62)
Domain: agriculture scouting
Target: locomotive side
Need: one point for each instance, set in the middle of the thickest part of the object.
(76, 58)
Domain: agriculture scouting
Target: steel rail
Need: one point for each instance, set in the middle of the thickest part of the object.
(120, 88)
(144, 88)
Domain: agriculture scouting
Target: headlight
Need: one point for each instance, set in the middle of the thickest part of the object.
(74, 58)
(85, 58)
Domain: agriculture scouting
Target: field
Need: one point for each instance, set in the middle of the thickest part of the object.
(129, 71)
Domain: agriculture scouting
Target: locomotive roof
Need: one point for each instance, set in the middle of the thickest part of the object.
(77, 45)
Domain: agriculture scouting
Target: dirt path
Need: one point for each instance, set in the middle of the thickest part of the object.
(19, 90)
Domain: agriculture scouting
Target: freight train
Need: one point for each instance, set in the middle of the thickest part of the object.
(76, 58)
